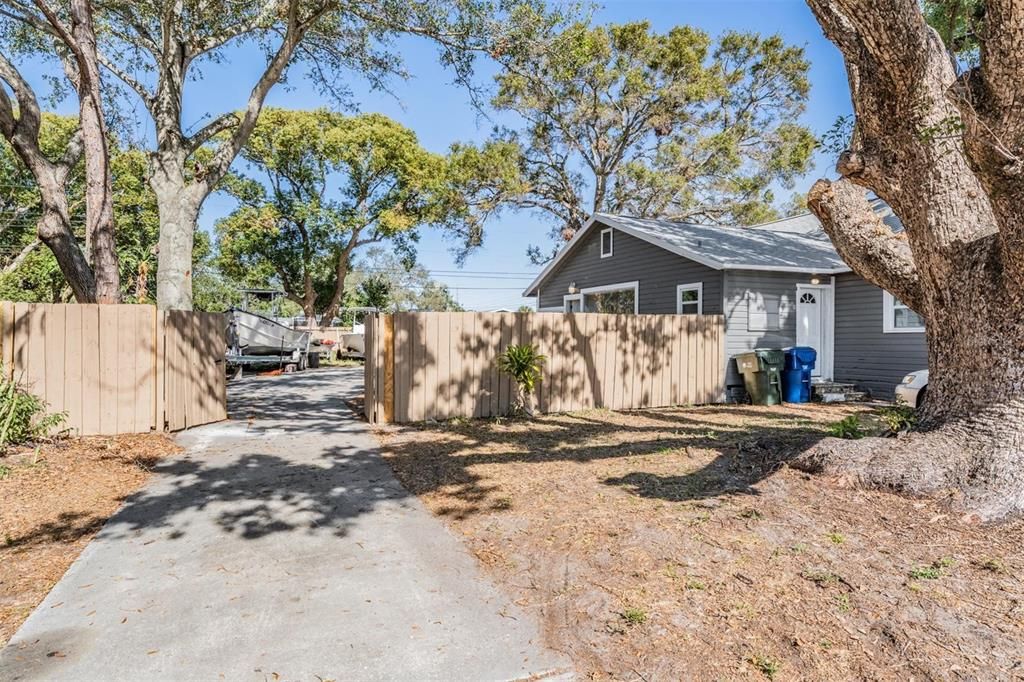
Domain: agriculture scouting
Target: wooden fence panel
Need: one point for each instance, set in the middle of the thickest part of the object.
(117, 368)
(441, 365)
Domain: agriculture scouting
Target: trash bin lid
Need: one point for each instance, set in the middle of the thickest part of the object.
(804, 353)
(771, 356)
(747, 362)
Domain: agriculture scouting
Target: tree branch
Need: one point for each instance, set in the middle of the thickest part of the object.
(29, 117)
(211, 130)
(135, 85)
(264, 18)
(22, 255)
(866, 243)
(226, 152)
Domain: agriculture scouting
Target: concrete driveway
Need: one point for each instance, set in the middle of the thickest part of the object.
(278, 547)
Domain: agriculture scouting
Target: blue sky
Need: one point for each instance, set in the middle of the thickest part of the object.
(440, 114)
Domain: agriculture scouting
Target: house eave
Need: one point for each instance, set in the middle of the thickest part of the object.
(791, 269)
(703, 259)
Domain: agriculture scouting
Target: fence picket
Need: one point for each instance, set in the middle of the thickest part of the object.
(442, 365)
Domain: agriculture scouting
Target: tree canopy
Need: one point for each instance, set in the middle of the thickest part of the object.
(620, 118)
(318, 186)
(154, 48)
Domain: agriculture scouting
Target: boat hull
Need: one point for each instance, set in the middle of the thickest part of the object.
(252, 334)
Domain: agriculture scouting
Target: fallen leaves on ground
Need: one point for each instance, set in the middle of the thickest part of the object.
(669, 544)
(53, 499)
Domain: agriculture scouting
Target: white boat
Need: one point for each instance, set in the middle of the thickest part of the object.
(252, 334)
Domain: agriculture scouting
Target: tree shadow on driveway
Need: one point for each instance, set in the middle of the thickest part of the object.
(256, 494)
(295, 459)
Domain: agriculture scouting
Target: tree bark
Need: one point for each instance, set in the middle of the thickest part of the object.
(956, 263)
(179, 213)
(99, 196)
(54, 230)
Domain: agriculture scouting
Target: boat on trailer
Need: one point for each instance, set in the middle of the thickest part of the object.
(256, 339)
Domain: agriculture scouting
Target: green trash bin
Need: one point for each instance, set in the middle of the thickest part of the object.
(762, 375)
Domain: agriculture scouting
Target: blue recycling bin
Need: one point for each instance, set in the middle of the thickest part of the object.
(796, 374)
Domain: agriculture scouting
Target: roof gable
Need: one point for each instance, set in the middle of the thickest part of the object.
(720, 247)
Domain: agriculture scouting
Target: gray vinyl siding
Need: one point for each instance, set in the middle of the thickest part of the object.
(864, 355)
(658, 271)
(740, 285)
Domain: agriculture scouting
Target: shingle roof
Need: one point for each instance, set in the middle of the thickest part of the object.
(795, 244)
(735, 248)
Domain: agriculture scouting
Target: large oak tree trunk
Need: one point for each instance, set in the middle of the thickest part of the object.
(99, 195)
(178, 216)
(178, 203)
(958, 263)
(54, 230)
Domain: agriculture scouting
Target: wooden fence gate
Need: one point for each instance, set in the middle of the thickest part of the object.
(116, 369)
(442, 365)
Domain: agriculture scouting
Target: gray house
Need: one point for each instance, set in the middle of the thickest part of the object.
(779, 284)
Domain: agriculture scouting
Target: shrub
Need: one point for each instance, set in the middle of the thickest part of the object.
(23, 416)
(848, 428)
(898, 418)
(523, 363)
(768, 666)
(634, 617)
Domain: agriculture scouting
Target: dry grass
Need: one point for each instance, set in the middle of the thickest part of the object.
(53, 499)
(673, 544)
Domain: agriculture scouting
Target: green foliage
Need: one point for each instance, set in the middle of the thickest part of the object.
(958, 23)
(23, 416)
(898, 418)
(766, 665)
(932, 571)
(621, 118)
(374, 292)
(836, 139)
(848, 427)
(523, 363)
(925, 573)
(320, 186)
(634, 616)
(410, 286)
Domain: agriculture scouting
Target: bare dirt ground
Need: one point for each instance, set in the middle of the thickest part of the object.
(53, 500)
(676, 544)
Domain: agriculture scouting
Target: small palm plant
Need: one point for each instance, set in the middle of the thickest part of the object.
(523, 363)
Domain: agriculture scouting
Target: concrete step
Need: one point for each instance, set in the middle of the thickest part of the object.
(836, 392)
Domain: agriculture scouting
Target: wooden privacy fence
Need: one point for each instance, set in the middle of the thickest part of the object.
(442, 365)
(118, 368)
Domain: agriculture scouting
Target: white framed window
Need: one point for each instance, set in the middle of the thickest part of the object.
(572, 303)
(690, 299)
(615, 299)
(897, 318)
(607, 242)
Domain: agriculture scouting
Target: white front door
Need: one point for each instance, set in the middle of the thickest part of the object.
(813, 324)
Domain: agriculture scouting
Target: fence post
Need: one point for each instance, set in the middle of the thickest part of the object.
(388, 350)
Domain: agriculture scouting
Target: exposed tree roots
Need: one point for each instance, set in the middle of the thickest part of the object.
(982, 473)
